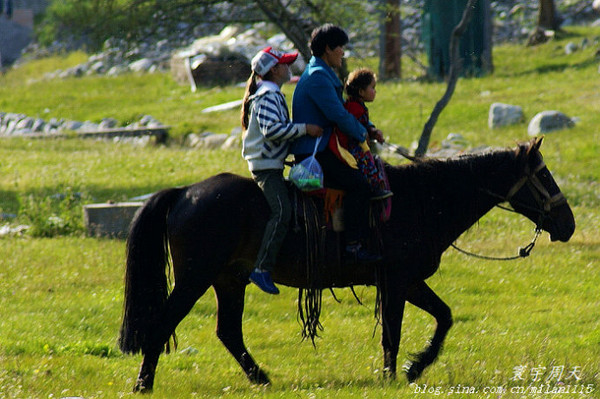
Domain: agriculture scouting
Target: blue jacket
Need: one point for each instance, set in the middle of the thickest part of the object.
(318, 100)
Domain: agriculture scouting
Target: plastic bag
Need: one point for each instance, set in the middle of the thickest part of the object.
(307, 175)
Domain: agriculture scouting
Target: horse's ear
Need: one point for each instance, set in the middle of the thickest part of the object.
(537, 143)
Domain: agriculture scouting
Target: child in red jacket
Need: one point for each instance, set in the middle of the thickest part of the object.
(360, 88)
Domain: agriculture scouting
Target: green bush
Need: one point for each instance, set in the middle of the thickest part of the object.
(55, 215)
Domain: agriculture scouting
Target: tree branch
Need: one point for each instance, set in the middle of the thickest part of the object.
(294, 29)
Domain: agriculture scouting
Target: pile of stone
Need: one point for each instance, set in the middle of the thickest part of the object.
(225, 58)
(13, 124)
(114, 60)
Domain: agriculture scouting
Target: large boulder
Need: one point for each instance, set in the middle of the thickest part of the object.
(225, 58)
(209, 58)
(221, 69)
(549, 121)
(504, 115)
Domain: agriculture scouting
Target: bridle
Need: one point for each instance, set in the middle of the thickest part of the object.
(544, 200)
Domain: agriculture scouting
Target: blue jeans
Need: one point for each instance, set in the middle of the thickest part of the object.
(273, 186)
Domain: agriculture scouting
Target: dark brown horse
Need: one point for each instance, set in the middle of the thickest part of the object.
(213, 229)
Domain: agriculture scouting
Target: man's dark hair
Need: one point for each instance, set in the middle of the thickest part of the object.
(327, 35)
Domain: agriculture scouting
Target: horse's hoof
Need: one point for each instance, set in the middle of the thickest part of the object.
(140, 387)
(259, 377)
(388, 374)
(412, 371)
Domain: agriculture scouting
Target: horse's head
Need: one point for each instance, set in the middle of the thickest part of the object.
(537, 196)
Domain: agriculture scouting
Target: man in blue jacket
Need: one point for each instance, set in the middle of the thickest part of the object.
(318, 100)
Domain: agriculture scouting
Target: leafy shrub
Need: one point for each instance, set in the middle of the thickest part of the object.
(55, 215)
(92, 21)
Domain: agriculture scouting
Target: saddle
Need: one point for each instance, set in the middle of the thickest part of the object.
(329, 201)
(320, 213)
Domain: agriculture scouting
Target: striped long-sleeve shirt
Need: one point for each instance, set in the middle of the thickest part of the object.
(270, 131)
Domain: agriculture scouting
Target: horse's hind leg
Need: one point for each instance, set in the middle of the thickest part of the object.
(178, 305)
(423, 297)
(230, 291)
(393, 299)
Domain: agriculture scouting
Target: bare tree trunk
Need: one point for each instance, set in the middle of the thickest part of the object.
(547, 17)
(391, 66)
(455, 66)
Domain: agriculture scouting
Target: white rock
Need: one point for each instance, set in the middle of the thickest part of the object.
(108, 123)
(25, 123)
(211, 141)
(72, 125)
(89, 126)
(455, 141)
(570, 48)
(141, 65)
(97, 67)
(504, 115)
(232, 142)
(38, 125)
(116, 70)
(549, 121)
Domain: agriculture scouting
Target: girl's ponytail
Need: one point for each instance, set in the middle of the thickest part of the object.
(251, 86)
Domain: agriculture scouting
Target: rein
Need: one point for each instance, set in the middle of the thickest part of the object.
(544, 200)
(523, 252)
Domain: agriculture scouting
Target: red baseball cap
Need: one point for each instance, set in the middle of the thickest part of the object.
(268, 57)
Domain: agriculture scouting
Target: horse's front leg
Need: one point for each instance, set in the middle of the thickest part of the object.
(393, 297)
(145, 380)
(423, 297)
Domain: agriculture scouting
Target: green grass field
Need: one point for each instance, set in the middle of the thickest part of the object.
(518, 325)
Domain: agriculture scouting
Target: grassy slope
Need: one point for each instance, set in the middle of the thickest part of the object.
(60, 298)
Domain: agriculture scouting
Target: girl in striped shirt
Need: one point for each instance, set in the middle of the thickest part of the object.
(268, 132)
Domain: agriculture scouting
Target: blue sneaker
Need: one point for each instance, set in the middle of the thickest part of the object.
(262, 278)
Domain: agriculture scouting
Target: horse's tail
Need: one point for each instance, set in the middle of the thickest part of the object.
(146, 275)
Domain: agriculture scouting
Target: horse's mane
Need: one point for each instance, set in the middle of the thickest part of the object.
(482, 164)
(453, 186)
